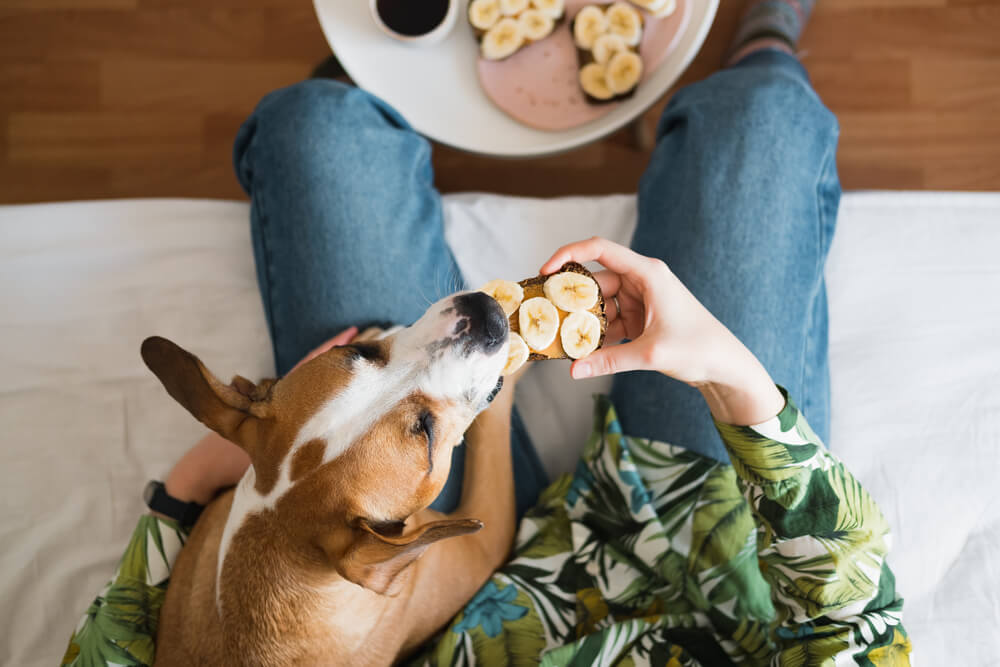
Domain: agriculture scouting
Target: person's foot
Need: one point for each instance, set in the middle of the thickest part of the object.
(769, 24)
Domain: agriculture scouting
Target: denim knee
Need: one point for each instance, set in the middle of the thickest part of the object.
(309, 127)
(765, 104)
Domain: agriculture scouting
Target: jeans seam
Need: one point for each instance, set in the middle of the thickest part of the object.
(821, 217)
(268, 293)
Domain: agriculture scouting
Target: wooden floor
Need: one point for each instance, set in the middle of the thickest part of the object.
(137, 98)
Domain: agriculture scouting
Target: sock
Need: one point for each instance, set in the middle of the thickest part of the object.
(770, 24)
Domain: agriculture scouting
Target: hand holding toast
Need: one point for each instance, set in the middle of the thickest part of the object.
(669, 331)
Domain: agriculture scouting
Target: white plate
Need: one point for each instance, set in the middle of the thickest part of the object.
(437, 90)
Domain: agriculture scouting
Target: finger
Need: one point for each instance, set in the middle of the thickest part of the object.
(609, 360)
(632, 313)
(615, 332)
(611, 255)
(371, 333)
(344, 337)
(609, 282)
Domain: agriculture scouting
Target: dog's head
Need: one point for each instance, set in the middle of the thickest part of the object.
(348, 445)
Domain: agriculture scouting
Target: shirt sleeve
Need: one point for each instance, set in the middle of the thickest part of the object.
(119, 627)
(822, 544)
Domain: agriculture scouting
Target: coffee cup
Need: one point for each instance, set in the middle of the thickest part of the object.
(415, 22)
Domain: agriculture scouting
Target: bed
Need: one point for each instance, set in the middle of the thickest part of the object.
(914, 289)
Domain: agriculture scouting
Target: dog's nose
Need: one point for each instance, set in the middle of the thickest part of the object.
(487, 322)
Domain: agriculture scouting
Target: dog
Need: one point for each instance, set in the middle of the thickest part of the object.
(326, 551)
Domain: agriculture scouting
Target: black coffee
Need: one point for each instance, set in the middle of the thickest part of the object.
(412, 17)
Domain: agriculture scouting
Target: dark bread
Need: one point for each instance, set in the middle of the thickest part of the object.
(534, 287)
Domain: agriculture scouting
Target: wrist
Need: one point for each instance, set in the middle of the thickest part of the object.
(743, 394)
(188, 489)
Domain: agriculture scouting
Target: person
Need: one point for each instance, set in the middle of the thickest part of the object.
(706, 523)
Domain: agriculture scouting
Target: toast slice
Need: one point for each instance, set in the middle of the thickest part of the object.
(534, 287)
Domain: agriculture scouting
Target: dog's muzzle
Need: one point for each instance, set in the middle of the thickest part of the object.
(482, 320)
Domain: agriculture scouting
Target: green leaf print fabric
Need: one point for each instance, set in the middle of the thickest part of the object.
(646, 555)
(119, 628)
(651, 555)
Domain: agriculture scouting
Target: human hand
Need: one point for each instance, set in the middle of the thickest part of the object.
(215, 463)
(343, 338)
(671, 332)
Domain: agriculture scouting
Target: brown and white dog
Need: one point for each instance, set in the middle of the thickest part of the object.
(318, 555)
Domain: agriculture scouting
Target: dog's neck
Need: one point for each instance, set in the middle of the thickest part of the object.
(280, 603)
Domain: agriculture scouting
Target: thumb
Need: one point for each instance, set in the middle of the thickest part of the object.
(609, 360)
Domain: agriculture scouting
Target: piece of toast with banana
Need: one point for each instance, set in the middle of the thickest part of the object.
(559, 316)
(607, 46)
(504, 27)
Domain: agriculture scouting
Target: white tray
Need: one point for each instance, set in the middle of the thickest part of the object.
(437, 90)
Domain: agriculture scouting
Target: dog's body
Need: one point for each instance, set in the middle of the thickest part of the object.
(308, 559)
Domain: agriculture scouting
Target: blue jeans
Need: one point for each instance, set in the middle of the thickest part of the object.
(740, 199)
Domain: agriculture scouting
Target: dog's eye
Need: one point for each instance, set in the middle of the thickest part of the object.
(425, 425)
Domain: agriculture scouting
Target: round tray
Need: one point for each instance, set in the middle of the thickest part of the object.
(437, 88)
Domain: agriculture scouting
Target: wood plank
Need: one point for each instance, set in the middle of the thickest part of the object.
(234, 34)
(214, 181)
(871, 175)
(963, 174)
(102, 139)
(920, 138)
(584, 170)
(143, 97)
(878, 85)
(255, 4)
(22, 184)
(946, 32)
(194, 85)
(33, 86)
(218, 133)
(830, 6)
(35, 5)
(956, 84)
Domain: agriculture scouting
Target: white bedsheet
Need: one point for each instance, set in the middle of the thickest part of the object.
(915, 353)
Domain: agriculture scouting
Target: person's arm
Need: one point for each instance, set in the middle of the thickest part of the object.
(822, 544)
(822, 541)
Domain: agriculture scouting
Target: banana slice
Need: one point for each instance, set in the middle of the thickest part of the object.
(589, 24)
(517, 354)
(571, 291)
(580, 334)
(666, 10)
(553, 8)
(538, 320)
(606, 46)
(649, 5)
(593, 80)
(623, 72)
(483, 14)
(513, 7)
(508, 294)
(624, 21)
(502, 40)
(535, 25)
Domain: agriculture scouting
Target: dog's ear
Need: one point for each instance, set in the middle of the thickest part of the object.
(255, 392)
(378, 554)
(229, 410)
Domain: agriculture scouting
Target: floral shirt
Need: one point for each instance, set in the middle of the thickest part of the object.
(647, 555)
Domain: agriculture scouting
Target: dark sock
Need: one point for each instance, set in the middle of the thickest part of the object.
(770, 24)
